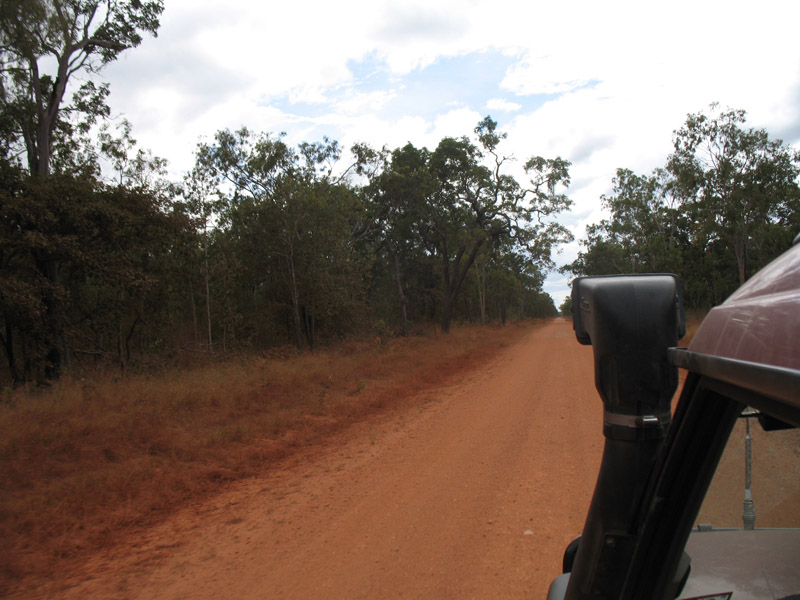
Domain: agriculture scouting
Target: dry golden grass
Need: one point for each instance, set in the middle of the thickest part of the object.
(693, 319)
(86, 460)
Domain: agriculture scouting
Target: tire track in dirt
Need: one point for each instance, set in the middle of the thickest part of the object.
(473, 493)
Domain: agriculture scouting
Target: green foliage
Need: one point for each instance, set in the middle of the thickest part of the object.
(441, 210)
(106, 240)
(292, 226)
(566, 307)
(740, 186)
(71, 38)
(725, 205)
(44, 46)
(264, 244)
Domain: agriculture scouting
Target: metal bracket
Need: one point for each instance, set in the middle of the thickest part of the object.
(636, 421)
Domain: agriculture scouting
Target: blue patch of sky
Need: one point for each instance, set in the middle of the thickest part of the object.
(469, 80)
(370, 67)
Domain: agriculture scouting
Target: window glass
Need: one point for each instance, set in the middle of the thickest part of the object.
(775, 479)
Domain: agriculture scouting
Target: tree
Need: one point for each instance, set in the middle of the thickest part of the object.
(644, 220)
(566, 307)
(726, 204)
(111, 242)
(201, 201)
(458, 199)
(400, 194)
(22, 286)
(507, 276)
(738, 181)
(601, 255)
(75, 37)
(79, 36)
(642, 234)
(291, 222)
(115, 280)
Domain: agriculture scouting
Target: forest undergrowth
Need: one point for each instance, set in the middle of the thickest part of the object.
(87, 460)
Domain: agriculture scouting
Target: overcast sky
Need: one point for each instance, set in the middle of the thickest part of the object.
(602, 84)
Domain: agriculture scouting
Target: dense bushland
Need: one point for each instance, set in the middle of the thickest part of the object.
(726, 203)
(104, 260)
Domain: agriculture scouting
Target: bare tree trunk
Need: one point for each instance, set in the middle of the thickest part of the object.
(208, 294)
(128, 339)
(452, 286)
(120, 345)
(8, 345)
(740, 250)
(482, 290)
(194, 312)
(39, 149)
(298, 329)
(447, 312)
(308, 320)
(403, 300)
(57, 354)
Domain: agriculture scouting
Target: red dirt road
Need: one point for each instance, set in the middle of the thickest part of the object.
(472, 492)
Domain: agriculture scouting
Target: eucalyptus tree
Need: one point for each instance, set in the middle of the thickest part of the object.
(740, 185)
(71, 39)
(600, 255)
(646, 221)
(115, 247)
(401, 193)
(45, 46)
(725, 204)
(293, 221)
(474, 205)
(458, 200)
(203, 204)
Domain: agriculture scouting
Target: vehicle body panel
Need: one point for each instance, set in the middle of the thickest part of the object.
(760, 322)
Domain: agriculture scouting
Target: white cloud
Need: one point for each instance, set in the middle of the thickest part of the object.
(618, 77)
(454, 123)
(546, 75)
(406, 23)
(417, 130)
(364, 103)
(503, 105)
